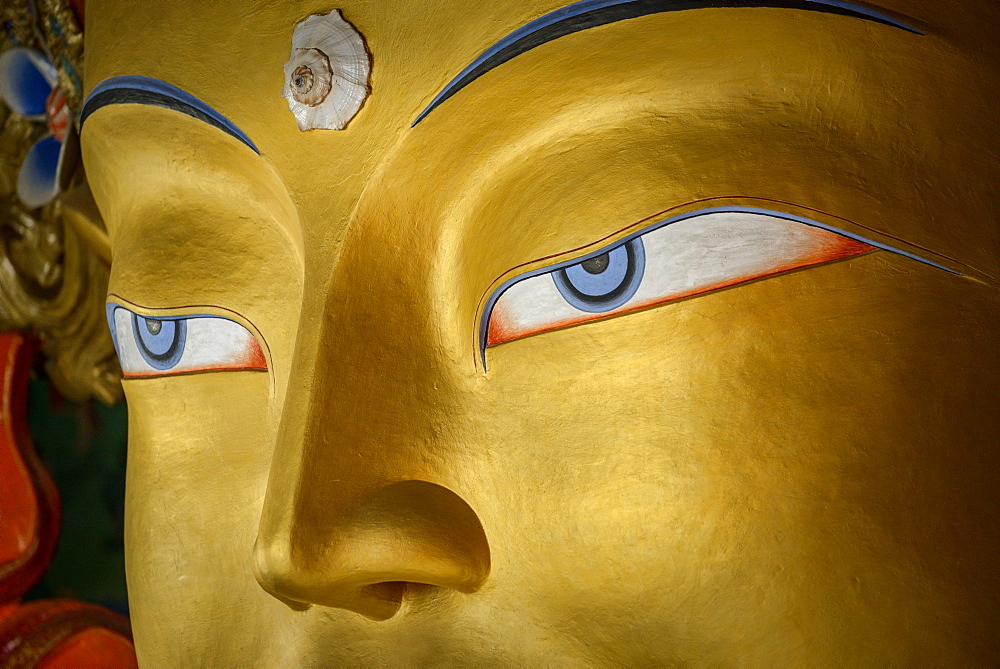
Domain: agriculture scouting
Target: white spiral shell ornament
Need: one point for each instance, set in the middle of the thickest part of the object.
(326, 76)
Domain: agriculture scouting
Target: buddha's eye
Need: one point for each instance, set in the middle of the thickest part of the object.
(158, 346)
(676, 258)
(604, 282)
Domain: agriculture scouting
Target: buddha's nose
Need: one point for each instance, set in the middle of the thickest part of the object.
(404, 534)
(376, 452)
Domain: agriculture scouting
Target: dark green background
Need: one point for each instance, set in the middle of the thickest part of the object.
(84, 447)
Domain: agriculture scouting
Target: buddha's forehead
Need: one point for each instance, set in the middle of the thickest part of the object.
(615, 108)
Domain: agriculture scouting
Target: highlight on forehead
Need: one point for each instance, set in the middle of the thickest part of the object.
(135, 89)
(592, 13)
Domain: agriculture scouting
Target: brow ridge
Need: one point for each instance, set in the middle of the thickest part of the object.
(141, 90)
(587, 14)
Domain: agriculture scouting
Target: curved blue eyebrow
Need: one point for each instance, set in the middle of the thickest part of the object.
(548, 269)
(136, 89)
(592, 13)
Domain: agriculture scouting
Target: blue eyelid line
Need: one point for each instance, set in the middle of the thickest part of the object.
(137, 89)
(495, 295)
(111, 307)
(586, 14)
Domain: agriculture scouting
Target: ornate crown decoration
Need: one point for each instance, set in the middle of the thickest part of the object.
(54, 257)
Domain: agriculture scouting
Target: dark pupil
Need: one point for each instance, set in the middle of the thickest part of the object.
(596, 265)
(160, 342)
(299, 81)
(604, 282)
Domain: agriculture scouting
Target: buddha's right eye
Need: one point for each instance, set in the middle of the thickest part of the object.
(680, 257)
(160, 346)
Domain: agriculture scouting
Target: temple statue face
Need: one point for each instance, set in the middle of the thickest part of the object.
(600, 333)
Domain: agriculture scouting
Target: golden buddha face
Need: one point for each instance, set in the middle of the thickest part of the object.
(661, 338)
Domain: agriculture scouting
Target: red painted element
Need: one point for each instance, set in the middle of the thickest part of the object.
(6, 610)
(95, 648)
(48, 633)
(254, 358)
(29, 505)
(197, 370)
(58, 113)
(834, 247)
(64, 633)
(500, 329)
(78, 7)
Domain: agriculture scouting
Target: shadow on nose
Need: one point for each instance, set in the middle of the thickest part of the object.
(405, 535)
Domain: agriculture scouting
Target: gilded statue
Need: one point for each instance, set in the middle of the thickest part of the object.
(608, 332)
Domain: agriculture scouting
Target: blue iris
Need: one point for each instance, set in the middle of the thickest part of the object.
(605, 281)
(160, 341)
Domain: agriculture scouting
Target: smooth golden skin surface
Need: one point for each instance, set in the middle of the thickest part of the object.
(801, 470)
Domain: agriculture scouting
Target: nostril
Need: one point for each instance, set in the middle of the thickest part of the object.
(390, 591)
(417, 532)
(405, 539)
(299, 586)
(415, 596)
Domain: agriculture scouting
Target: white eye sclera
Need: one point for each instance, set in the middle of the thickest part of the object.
(158, 346)
(680, 257)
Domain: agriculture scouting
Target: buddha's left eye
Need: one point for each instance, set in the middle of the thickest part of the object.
(158, 346)
(675, 258)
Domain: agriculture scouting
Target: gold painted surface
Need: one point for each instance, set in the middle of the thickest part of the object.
(53, 264)
(797, 471)
(54, 284)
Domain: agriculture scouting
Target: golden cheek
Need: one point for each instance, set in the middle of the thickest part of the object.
(755, 445)
(197, 444)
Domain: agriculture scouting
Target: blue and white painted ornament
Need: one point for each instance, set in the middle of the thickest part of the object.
(29, 86)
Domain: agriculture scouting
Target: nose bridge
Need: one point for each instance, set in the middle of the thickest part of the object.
(380, 387)
(361, 497)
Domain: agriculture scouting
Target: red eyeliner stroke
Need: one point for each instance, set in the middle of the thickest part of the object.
(836, 247)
